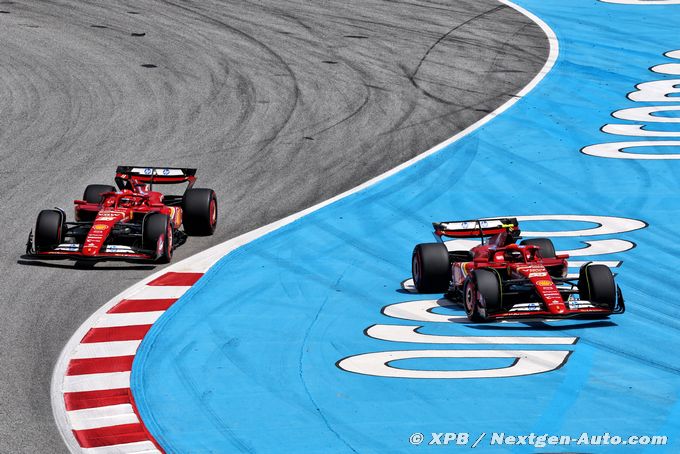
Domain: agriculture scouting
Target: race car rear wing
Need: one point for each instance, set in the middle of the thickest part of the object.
(475, 228)
(125, 175)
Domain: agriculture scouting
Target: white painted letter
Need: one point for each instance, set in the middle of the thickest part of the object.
(616, 149)
(636, 131)
(667, 68)
(402, 333)
(654, 91)
(644, 114)
(606, 225)
(527, 362)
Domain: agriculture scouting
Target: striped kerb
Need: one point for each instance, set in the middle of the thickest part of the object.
(96, 387)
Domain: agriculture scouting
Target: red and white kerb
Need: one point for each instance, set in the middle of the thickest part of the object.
(99, 406)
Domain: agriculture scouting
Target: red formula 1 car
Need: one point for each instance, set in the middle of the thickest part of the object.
(500, 279)
(131, 223)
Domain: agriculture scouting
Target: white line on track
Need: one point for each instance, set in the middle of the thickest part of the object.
(609, 263)
(128, 319)
(111, 415)
(94, 382)
(403, 333)
(158, 292)
(105, 349)
(142, 447)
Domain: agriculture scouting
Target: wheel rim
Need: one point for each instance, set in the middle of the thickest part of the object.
(160, 244)
(416, 269)
(213, 212)
(481, 306)
(169, 240)
(470, 298)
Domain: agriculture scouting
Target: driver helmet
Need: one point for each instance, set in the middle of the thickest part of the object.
(513, 253)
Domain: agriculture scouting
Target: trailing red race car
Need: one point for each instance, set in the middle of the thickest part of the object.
(500, 279)
(131, 223)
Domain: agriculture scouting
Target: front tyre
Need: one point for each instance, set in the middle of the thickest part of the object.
(49, 230)
(482, 295)
(157, 235)
(596, 284)
(199, 212)
(470, 301)
(431, 268)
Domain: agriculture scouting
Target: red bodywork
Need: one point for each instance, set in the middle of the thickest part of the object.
(521, 263)
(121, 206)
(125, 209)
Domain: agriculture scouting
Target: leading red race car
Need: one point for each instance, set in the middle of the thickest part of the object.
(133, 222)
(500, 279)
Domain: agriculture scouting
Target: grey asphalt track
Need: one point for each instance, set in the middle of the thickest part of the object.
(279, 104)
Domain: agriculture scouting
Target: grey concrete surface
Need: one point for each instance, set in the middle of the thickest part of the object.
(279, 104)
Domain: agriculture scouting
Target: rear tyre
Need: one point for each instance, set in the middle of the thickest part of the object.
(596, 284)
(93, 192)
(49, 230)
(545, 245)
(199, 212)
(431, 268)
(482, 295)
(157, 236)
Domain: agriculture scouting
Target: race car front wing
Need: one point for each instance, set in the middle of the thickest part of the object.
(576, 308)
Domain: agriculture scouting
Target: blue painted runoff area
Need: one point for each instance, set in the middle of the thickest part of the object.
(246, 360)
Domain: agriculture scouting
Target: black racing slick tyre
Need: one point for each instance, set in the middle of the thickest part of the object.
(49, 230)
(482, 295)
(199, 212)
(93, 192)
(545, 245)
(157, 236)
(596, 284)
(431, 268)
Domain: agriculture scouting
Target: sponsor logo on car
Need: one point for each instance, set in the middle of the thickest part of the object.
(67, 247)
(550, 293)
(110, 215)
(531, 268)
(118, 248)
(100, 226)
(544, 283)
(578, 304)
